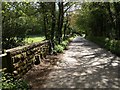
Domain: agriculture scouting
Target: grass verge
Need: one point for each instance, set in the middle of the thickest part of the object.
(34, 38)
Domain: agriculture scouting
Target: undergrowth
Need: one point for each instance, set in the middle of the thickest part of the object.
(110, 44)
(10, 83)
(58, 48)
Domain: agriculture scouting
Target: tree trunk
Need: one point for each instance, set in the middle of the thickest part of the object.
(53, 23)
(44, 21)
(60, 21)
(110, 15)
(117, 22)
(45, 31)
(65, 26)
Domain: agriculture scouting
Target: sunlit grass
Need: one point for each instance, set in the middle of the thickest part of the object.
(34, 38)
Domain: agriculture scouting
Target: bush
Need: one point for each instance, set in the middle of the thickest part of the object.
(10, 83)
(70, 39)
(58, 48)
(111, 45)
(64, 44)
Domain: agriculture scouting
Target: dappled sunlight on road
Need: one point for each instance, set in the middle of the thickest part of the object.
(83, 65)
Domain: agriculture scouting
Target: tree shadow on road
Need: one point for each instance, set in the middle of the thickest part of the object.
(96, 69)
(105, 75)
(99, 69)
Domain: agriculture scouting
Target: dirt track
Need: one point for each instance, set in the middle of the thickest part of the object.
(83, 65)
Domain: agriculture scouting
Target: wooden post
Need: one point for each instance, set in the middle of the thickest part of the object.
(3, 61)
(9, 61)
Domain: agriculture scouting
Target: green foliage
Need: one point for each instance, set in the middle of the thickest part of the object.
(100, 23)
(19, 19)
(113, 46)
(83, 19)
(100, 19)
(9, 83)
(13, 24)
(33, 18)
(58, 49)
(110, 44)
(70, 39)
(64, 44)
